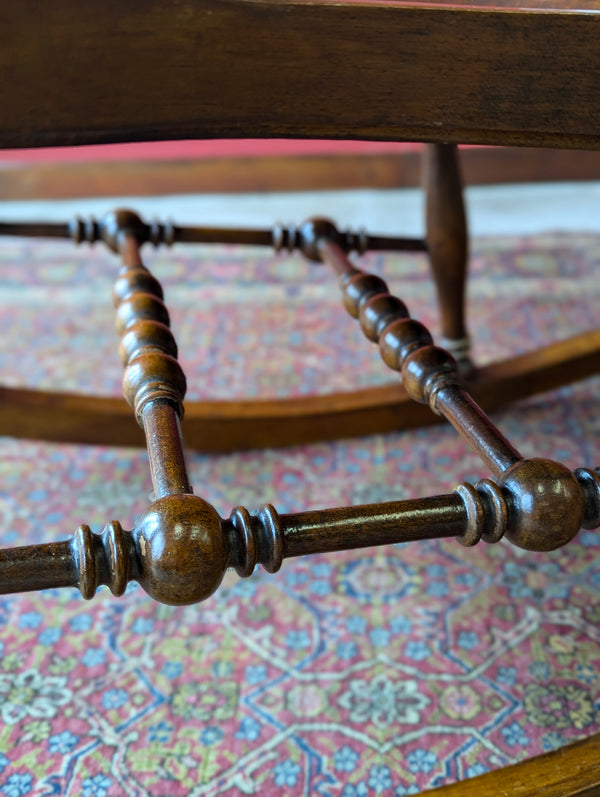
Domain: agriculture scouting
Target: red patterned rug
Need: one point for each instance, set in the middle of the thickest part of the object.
(381, 671)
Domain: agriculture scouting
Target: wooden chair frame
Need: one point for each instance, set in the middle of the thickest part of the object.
(440, 74)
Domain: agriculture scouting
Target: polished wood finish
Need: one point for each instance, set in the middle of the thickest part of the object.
(539, 504)
(227, 425)
(154, 383)
(180, 548)
(236, 68)
(571, 771)
(280, 237)
(429, 373)
(446, 236)
(545, 69)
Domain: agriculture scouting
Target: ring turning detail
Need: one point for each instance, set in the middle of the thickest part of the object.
(181, 547)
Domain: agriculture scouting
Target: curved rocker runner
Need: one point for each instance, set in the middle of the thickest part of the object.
(180, 548)
(213, 426)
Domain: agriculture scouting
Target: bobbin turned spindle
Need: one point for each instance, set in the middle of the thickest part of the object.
(544, 501)
(180, 547)
(429, 373)
(281, 237)
(153, 383)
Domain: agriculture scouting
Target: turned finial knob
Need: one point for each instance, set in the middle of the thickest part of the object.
(546, 506)
(311, 232)
(183, 552)
(113, 224)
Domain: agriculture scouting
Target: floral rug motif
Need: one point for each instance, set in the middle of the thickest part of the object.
(374, 672)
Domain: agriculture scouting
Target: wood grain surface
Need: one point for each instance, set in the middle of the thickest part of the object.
(571, 771)
(245, 68)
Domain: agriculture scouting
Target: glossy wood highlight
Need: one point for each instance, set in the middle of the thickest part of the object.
(571, 771)
(180, 547)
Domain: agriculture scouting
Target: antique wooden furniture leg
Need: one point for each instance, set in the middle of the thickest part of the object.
(446, 236)
(486, 76)
(246, 424)
(180, 548)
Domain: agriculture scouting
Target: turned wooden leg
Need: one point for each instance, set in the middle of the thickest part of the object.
(446, 235)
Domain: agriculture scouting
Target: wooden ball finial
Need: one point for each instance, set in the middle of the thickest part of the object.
(113, 224)
(183, 552)
(546, 506)
(312, 232)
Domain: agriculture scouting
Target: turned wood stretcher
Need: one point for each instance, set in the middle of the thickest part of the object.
(226, 425)
(442, 74)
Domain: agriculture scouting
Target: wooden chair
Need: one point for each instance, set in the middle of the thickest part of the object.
(275, 87)
(387, 70)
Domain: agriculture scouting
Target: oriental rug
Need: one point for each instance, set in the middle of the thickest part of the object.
(375, 672)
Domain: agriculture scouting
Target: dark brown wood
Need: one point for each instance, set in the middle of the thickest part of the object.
(180, 548)
(36, 229)
(571, 771)
(280, 237)
(215, 426)
(429, 373)
(154, 383)
(546, 507)
(543, 505)
(470, 420)
(235, 68)
(374, 524)
(255, 74)
(446, 236)
(35, 567)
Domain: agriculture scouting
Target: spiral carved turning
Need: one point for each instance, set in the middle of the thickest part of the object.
(148, 349)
